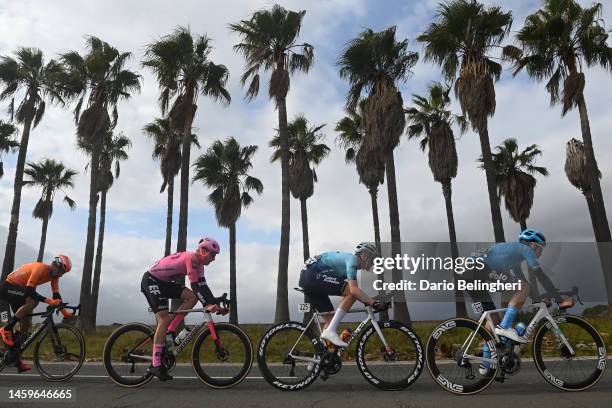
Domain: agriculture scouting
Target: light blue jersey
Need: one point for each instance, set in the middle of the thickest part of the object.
(343, 265)
(504, 256)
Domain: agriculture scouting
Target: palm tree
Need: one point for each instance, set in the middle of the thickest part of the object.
(514, 177)
(269, 43)
(99, 75)
(577, 173)
(50, 176)
(305, 152)
(181, 64)
(166, 149)
(114, 150)
(461, 41)
(432, 121)
(557, 42)
(374, 63)
(7, 131)
(27, 76)
(224, 168)
(371, 171)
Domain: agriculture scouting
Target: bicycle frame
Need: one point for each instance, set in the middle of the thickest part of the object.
(362, 324)
(208, 321)
(543, 313)
(47, 323)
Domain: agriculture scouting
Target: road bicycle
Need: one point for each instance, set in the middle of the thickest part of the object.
(59, 348)
(567, 350)
(221, 356)
(291, 356)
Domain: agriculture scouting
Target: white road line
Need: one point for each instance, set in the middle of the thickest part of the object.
(104, 376)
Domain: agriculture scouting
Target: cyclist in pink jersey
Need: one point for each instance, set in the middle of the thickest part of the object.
(159, 284)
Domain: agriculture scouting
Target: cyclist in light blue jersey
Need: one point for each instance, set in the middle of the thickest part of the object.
(335, 273)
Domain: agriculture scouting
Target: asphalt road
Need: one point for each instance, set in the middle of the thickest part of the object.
(348, 388)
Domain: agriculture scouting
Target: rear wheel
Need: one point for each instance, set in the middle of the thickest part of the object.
(395, 367)
(225, 361)
(279, 356)
(445, 361)
(59, 352)
(564, 370)
(127, 355)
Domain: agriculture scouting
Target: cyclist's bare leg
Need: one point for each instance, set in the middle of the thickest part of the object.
(163, 320)
(518, 299)
(22, 313)
(327, 318)
(188, 301)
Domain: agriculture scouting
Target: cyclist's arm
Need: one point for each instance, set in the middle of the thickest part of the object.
(55, 288)
(35, 275)
(356, 291)
(548, 285)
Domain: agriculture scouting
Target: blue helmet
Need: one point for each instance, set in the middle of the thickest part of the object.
(530, 235)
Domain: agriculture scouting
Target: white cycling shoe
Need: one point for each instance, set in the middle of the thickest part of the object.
(332, 336)
(511, 334)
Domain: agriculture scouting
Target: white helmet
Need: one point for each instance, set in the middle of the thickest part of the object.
(368, 249)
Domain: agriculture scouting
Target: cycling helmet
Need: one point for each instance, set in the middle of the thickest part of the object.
(63, 262)
(209, 245)
(366, 248)
(530, 235)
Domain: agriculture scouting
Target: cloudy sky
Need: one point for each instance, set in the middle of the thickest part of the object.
(339, 212)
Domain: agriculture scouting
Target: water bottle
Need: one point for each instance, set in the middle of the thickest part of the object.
(179, 339)
(345, 335)
(520, 328)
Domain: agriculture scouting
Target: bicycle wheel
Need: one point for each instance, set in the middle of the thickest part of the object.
(395, 367)
(278, 367)
(59, 352)
(225, 363)
(444, 354)
(127, 355)
(555, 362)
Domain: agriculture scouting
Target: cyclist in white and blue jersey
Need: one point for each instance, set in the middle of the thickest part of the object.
(335, 274)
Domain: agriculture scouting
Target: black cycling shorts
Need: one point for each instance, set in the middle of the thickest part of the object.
(319, 283)
(14, 295)
(480, 296)
(158, 292)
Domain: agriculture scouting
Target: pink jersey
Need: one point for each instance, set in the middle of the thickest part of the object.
(176, 266)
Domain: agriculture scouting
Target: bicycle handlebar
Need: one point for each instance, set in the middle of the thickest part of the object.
(572, 293)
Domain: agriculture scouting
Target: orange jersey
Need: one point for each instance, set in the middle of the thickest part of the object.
(32, 275)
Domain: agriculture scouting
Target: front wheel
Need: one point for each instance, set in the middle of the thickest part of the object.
(222, 358)
(454, 353)
(289, 356)
(565, 370)
(391, 367)
(59, 352)
(127, 355)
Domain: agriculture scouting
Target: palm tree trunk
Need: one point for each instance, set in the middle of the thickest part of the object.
(85, 321)
(523, 225)
(233, 296)
(305, 246)
(401, 308)
(460, 310)
(383, 316)
(498, 226)
(11, 241)
(95, 288)
(306, 250)
(170, 191)
(598, 202)
(599, 209)
(282, 295)
(591, 206)
(43, 240)
(181, 243)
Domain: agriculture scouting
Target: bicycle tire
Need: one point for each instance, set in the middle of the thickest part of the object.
(541, 364)
(217, 382)
(58, 378)
(107, 355)
(268, 375)
(370, 376)
(430, 356)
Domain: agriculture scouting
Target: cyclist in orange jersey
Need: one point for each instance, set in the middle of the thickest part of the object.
(19, 290)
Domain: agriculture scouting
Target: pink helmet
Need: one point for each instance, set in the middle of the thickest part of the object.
(209, 244)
